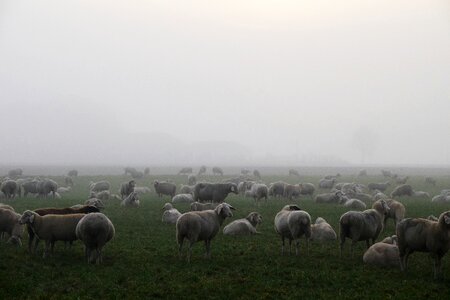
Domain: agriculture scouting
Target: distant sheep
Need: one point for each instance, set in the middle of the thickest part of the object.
(164, 188)
(127, 188)
(259, 191)
(99, 186)
(131, 201)
(245, 171)
(402, 190)
(326, 183)
(9, 187)
(94, 230)
(276, 189)
(307, 189)
(142, 190)
(355, 204)
(63, 189)
(292, 191)
(328, 197)
(201, 171)
(215, 192)
(187, 189)
(170, 214)
(95, 202)
(293, 223)
(362, 173)
(430, 180)
(186, 170)
(382, 186)
(201, 226)
(244, 226)
(217, 171)
(192, 179)
(421, 194)
(68, 181)
(183, 198)
(401, 180)
(293, 172)
(424, 236)
(72, 173)
(257, 174)
(15, 173)
(47, 187)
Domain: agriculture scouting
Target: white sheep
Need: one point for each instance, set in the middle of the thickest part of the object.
(201, 226)
(183, 198)
(51, 228)
(292, 223)
(94, 230)
(170, 214)
(396, 210)
(321, 231)
(63, 189)
(197, 206)
(421, 194)
(142, 190)
(9, 223)
(355, 204)
(362, 226)
(245, 226)
(382, 255)
(132, 200)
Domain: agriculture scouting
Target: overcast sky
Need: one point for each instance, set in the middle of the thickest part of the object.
(233, 82)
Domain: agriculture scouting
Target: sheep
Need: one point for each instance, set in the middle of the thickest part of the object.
(15, 173)
(259, 191)
(328, 197)
(257, 174)
(382, 255)
(46, 187)
(402, 190)
(215, 192)
(68, 181)
(51, 228)
(421, 194)
(381, 186)
(326, 183)
(328, 177)
(430, 180)
(129, 170)
(201, 226)
(362, 226)
(396, 210)
(276, 189)
(99, 186)
(292, 190)
(131, 201)
(386, 173)
(146, 171)
(441, 199)
(217, 171)
(103, 195)
(245, 226)
(185, 171)
(95, 202)
(72, 173)
(94, 230)
(321, 231)
(355, 204)
(126, 188)
(187, 189)
(424, 236)
(9, 187)
(379, 195)
(401, 180)
(9, 223)
(201, 171)
(62, 189)
(292, 223)
(197, 206)
(293, 172)
(183, 198)
(142, 190)
(307, 189)
(170, 214)
(245, 171)
(164, 188)
(30, 187)
(362, 173)
(390, 240)
(192, 179)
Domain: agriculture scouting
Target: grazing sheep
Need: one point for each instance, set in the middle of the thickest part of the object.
(257, 174)
(326, 183)
(72, 173)
(402, 190)
(244, 226)
(430, 180)
(292, 223)
(131, 201)
(381, 186)
(129, 170)
(183, 198)
(382, 255)
(30, 187)
(307, 189)
(332, 176)
(292, 190)
(362, 173)
(259, 191)
(321, 231)
(95, 202)
(276, 189)
(47, 187)
(201, 226)
(197, 206)
(185, 171)
(51, 228)
(328, 197)
(164, 188)
(293, 172)
(94, 230)
(421, 194)
(192, 179)
(187, 189)
(201, 171)
(396, 210)
(215, 192)
(127, 188)
(217, 171)
(362, 226)
(63, 189)
(9, 223)
(355, 204)
(386, 173)
(401, 180)
(170, 214)
(68, 181)
(424, 236)
(99, 186)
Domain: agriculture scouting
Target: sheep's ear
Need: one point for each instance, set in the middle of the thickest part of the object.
(231, 207)
(32, 218)
(446, 219)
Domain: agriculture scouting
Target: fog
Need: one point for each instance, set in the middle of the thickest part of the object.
(225, 82)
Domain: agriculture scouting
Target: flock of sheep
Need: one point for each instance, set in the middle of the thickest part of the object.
(209, 210)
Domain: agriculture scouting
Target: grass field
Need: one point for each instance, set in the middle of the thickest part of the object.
(142, 260)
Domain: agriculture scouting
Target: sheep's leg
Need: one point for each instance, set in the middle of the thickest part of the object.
(290, 246)
(180, 246)
(52, 246)
(36, 244)
(351, 247)
(208, 248)
(437, 266)
(47, 246)
(341, 245)
(297, 246)
(189, 251)
(405, 259)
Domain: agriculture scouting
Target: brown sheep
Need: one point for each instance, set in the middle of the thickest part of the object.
(396, 211)
(424, 236)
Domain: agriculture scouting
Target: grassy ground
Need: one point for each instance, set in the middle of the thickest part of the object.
(142, 260)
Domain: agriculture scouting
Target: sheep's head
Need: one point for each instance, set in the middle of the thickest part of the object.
(254, 218)
(384, 207)
(444, 219)
(233, 188)
(167, 206)
(27, 217)
(132, 183)
(224, 210)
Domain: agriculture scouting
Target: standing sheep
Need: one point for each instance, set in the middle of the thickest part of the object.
(201, 171)
(259, 191)
(402, 190)
(381, 186)
(215, 192)
(276, 189)
(307, 189)
(186, 189)
(396, 210)
(9, 223)
(94, 230)
(292, 191)
(424, 236)
(164, 188)
(46, 187)
(127, 188)
(326, 183)
(244, 226)
(72, 173)
(217, 171)
(292, 223)
(201, 226)
(192, 179)
(293, 172)
(185, 171)
(257, 174)
(362, 226)
(430, 180)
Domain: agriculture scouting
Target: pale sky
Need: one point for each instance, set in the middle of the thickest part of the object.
(225, 82)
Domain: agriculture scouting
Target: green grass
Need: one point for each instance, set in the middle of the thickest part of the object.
(142, 260)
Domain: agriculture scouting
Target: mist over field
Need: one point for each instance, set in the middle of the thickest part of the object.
(270, 83)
